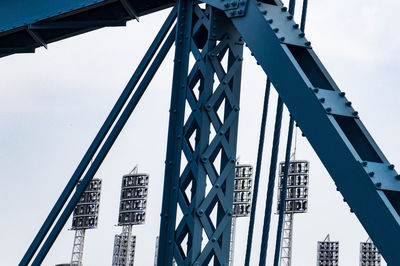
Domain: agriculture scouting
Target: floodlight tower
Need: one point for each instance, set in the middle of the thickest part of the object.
(296, 202)
(85, 216)
(328, 252)
(241, 199)
(132, 211)
(369, 254)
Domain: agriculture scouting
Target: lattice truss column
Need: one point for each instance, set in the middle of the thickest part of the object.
(287, 240)
(77, 249)
(208, 146)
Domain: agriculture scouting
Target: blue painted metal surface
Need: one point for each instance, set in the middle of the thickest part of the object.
(167, 248)
(204, 189)
(340, 140)
(26, 25)
(283, 195)
(257, 174)
(271, 183)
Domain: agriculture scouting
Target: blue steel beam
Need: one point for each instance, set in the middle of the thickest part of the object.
(75, 17)
(108, 143)
(175, 132)
(283, 195)
(361, 172)
(94, 146)
(257, 173)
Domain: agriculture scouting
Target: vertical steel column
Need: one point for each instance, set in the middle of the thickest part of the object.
(183, 40)
(283, 197)
(207, 139)
(271, 183)
(257, 174)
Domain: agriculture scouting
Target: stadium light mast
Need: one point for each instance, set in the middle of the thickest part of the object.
(132, 211)
(85, 217)
(241, 199)
(296, 202)
(369, 254)
(328, 252)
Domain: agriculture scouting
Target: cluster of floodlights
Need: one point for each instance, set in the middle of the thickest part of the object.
(132, 211)
(297, 186)
(328, 253)
(85, 217)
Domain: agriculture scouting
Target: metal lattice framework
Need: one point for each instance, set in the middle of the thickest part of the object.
(204, 189)
(85, 217)
(296, 202)
(197, 200)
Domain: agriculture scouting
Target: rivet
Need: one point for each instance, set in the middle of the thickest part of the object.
(217, 185)
(348, 104)
(276, 30)
(282, 39)
(397, 177)
(364, 163)
(371, 174)
(391, 167)
(265, 12)
(329, 109)
(342, 94)
(308, 43)
(296, 26)
(302, 34)
(213, 239)
(322, 100)
(290, 17)
(379, 184)
(284, 9)
(355, 113)
(204, 159)
(316, 90)
(270, 21)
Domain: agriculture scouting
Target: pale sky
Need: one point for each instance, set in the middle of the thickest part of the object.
(53, 102)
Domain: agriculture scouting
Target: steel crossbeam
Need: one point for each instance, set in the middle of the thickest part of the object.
(204, 186)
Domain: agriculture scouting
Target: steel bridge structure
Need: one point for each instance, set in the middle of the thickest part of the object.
(204, 112)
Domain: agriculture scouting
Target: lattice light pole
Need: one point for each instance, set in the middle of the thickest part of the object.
(241, 200)
(328, 252)
(85, 217)
(296, 202)
(369, 254)
(132, 211)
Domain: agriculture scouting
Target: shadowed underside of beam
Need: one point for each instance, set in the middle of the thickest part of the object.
(26, 25)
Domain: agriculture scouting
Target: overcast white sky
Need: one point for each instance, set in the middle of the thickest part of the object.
(53, 102)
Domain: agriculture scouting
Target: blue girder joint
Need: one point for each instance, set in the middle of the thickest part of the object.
(382, 175)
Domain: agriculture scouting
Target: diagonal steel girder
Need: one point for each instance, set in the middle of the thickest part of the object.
(367, 181)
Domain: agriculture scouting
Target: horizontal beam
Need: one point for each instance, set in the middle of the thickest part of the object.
(78, 24)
